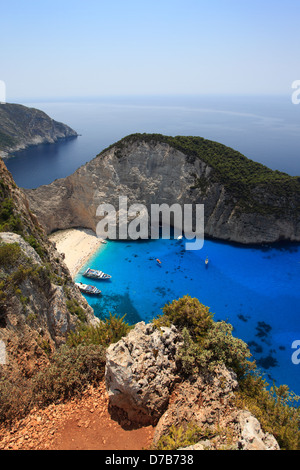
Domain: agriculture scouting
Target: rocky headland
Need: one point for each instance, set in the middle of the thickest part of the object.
(22, 127)
(244, 201)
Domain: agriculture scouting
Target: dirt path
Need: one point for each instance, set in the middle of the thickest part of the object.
(82, 424)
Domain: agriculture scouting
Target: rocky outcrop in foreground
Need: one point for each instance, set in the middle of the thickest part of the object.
(244, 202)
(145, 387)
(21, 127)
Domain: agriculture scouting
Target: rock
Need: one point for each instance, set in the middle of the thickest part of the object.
(248, 436)
(251, 435)
(141, 371)
(206, 401)
(201, 445)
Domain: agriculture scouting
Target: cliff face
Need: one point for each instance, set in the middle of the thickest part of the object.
(21, 127)
(150, 170)
(39, 303)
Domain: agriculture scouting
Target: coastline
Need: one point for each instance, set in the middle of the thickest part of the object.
(78, 245)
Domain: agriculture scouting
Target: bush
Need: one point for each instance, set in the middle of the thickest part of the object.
(9, 222)
(36, 246)
(206, 343)
(187, 312)
(15, 396)
(220, 347)
(275, 408)
(106, 332)
(9, 254)
(187, 354)
(75, 309)
(182, 437)
(70, 372)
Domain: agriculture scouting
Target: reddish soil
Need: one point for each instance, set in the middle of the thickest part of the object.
(80, 424)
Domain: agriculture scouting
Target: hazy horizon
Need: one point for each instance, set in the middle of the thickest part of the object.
(69, 49)
(86, 98)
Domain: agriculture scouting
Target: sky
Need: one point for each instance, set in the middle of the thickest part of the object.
(83, 48)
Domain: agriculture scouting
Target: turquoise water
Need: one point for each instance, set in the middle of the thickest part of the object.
(254, 289)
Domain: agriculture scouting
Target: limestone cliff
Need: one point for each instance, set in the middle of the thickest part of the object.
(244, 201)
(21, 127)
(39, 303)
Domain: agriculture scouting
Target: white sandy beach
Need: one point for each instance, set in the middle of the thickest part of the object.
(78, 245)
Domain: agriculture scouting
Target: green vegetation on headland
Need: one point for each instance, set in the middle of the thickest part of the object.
(256, 187)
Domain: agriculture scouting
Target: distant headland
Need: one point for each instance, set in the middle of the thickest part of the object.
(22, 127)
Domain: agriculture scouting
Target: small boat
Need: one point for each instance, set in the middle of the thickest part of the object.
(180, 237)
(88, 289)
(206, 261)
(158, 261)
(94, 274)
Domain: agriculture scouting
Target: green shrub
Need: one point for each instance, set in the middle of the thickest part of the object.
(75, 309)
(188, 353)
(187, 312)
(206, 343)
(216, 348)
(15, 396)
(275, 408)
(221, 347)
(36, 245)
(111, 330)
(180, 436)
(70, 372)
(10, 253)
(9, 221)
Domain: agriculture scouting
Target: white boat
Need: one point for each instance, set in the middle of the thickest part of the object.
(95, 274)
(88, 289)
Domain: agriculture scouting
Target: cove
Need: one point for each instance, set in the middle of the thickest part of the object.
(254, 289)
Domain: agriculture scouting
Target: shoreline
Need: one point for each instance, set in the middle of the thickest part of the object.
(78, 245)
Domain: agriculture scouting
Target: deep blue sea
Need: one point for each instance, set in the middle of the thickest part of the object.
(255, 289)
